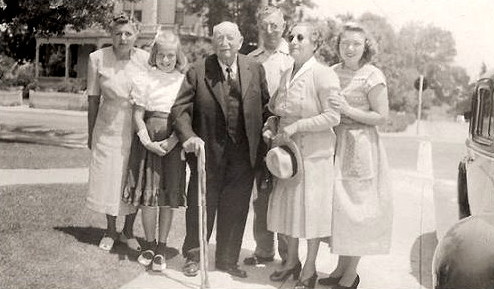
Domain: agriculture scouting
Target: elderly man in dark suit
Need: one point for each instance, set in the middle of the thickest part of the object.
(221, 105)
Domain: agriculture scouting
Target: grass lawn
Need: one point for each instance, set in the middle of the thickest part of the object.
(48, 239)
(14, 155)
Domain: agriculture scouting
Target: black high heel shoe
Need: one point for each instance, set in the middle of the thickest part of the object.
(354, 285)
(329, 281)
(285, 274)
(306, 284)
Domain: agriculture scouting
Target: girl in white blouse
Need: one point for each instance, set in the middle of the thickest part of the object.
(156, 179)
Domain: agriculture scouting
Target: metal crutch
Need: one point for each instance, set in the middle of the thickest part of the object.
(203, 219)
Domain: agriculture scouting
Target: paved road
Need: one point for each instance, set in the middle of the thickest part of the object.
(23, 116)
(447, 141)
(45, 126)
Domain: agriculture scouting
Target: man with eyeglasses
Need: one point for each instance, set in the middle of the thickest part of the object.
(275, 58)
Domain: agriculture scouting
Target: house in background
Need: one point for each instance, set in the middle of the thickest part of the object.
(65, 57)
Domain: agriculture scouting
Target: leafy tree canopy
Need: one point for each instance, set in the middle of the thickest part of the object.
(243, 12)
(21, 20)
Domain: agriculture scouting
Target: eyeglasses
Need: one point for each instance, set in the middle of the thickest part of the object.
(348, 43)
(300, 37)
(273, 26)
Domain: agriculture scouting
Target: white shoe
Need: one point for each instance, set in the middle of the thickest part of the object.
(159, 263)
(146, 257)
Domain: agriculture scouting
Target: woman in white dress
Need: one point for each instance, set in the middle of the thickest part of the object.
(110, 127)
(300, 207)
(362, 212)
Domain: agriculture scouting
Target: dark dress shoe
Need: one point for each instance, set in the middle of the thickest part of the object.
(191, 268)
(307, 284)
(256, 260)
(329, 281)
(232, 270)
(354, 285)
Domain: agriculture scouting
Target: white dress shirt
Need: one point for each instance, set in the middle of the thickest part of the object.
(234, 68)
(275, 63)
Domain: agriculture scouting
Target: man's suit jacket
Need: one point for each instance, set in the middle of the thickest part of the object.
(201, 108)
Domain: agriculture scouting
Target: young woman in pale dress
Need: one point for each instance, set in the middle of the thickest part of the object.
(300, 207)
(156, 179)
(362, 208)
(110, 128)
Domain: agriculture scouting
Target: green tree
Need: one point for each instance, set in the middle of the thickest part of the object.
(431, 51)
(426, 46)
(389, 61)
(327, 52)
(22, 20)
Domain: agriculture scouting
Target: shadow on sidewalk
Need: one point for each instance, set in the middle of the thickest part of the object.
(258, 276)
(92, 236)
(421, 258)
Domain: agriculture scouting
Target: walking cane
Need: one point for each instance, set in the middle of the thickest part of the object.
(203, 219)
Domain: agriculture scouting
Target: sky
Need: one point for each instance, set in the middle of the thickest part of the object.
(470, 21)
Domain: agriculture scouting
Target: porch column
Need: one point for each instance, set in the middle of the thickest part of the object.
(36, 64)
(67, 52)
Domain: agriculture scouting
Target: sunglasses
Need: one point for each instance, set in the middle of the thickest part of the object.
(300, 37)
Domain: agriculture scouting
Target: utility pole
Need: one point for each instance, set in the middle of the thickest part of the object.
(419, 109)
(420, 85)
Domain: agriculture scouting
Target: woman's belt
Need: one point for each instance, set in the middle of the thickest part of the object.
(354, 125)
(157, 114)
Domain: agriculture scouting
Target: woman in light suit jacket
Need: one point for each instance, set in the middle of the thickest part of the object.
(300, 207)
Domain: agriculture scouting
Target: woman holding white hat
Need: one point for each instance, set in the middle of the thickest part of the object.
(301, 201)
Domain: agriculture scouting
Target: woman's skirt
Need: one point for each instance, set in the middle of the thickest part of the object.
(153, 180)
(112, 138)
(363, 203)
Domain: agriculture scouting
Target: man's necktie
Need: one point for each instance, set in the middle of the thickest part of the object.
(234, 106)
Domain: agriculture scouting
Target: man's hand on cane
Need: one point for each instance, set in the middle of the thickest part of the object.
(193, 145)
(268, 136)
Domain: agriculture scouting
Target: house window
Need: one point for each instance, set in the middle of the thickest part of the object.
(483, 104)
(52, 60)
(137, 14)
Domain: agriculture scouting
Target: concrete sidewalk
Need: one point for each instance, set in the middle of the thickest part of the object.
(25, 108)
(407, 266)
(43, 176)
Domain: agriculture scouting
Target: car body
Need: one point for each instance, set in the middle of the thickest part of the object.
(464, 257)
(476, 169)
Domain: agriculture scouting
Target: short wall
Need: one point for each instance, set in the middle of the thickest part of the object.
(57, 100)
(10, 98)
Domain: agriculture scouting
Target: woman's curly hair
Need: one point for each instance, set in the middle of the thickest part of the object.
(122, 19)
(370, 45)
